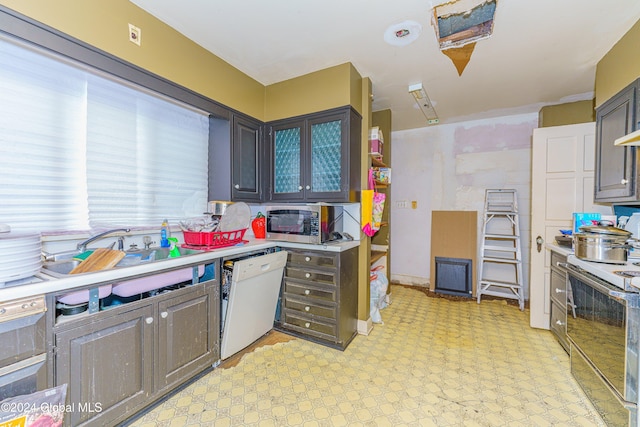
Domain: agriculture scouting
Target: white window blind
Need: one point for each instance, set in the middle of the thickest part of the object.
(79, 150)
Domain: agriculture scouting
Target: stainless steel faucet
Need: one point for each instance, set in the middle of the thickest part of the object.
(82, 246)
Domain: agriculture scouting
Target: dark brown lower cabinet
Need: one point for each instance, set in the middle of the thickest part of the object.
(319, 298)
(120, 360)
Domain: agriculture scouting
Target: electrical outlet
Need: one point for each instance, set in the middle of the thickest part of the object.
(402, 204)
(135, 34)
(414, 204)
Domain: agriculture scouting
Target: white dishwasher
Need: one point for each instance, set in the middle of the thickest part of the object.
(253, 294)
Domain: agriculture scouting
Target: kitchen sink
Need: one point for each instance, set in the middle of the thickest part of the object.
(64, 262)
(126, 288)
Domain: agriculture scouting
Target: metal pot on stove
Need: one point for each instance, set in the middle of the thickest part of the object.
(602, 243)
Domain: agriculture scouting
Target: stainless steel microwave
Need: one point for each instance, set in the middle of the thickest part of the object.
(312, 223)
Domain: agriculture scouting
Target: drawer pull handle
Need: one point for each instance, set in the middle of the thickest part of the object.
(149, 320)
(164, 314)
(307, 308)
(306, 325)
(307, 259)
(307, 291)
(307, 275)
(559, 291)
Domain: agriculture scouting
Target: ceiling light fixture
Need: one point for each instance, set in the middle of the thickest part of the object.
(424, 103)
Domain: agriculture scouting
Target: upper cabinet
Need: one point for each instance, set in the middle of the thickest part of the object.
(616, 178)
(315, 157)
(247, 155)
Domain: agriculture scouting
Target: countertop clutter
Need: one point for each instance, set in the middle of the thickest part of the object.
(55, 285)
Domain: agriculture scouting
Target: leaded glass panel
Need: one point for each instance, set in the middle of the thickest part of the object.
(326, 156)
(287, 160)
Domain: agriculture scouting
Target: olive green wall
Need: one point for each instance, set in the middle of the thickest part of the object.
(364, 285)
(321, 90)
(619, 67)
(167, 53)
(567, 114)
(163, 51)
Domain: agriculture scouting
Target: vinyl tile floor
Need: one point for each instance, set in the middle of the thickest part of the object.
(434, 362)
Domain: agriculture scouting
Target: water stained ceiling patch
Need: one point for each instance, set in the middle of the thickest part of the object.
(460, 24)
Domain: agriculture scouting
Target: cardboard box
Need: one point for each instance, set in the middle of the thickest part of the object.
(375, 147)
(584, 218)
(376, 133)
(376, 141)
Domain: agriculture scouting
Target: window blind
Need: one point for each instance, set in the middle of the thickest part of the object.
(78, 150)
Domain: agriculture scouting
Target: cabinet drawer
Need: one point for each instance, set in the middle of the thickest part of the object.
(325, 277)
(315, 292)
(558, 324)
(557, 258)
(310, 326)
(309, 307)
(313, 260)
(558, 288)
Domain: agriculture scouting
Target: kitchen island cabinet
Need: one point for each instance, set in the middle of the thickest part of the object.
(119, 360)
(616, 168)
(319, 296)
(315, 157)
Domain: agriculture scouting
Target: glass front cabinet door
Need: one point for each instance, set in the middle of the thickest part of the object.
(312, 157)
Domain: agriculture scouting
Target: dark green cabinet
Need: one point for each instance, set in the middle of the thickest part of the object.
(315, 157)
(616, 175)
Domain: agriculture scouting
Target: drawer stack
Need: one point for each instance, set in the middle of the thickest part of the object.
(319, 296)
(558, 296)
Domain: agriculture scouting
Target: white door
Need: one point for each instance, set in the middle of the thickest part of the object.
(562, 183)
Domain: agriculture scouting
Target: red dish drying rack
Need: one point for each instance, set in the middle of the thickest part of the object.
(204, 240)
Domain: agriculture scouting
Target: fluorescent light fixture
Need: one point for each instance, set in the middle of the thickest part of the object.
(424, 103)
(631, 139)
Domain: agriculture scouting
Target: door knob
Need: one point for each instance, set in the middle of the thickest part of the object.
(539, 242)
(624, 181)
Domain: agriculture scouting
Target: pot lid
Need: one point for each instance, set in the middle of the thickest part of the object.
(605, 229)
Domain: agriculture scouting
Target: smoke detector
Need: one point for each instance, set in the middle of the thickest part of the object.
(403, 33)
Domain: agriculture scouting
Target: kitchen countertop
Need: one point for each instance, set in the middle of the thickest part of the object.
(602, 270)
(111, 276)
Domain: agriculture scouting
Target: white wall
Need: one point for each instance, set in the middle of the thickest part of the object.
(449, 167)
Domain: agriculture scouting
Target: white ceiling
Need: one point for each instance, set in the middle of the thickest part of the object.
(541, 51)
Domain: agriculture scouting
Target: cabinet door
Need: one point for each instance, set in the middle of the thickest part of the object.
(615, 179)
(286, 154)
(187, 336)
(325, 177)
(108, 366)
(247, 160)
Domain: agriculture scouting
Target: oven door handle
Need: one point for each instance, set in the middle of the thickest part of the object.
(632, 299)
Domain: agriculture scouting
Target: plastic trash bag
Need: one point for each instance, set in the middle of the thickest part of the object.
(44, 408)
(378, 300)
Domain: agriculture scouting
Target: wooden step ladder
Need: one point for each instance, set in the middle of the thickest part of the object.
(500, 269)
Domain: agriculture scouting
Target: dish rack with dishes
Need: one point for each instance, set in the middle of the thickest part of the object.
(204, 240)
